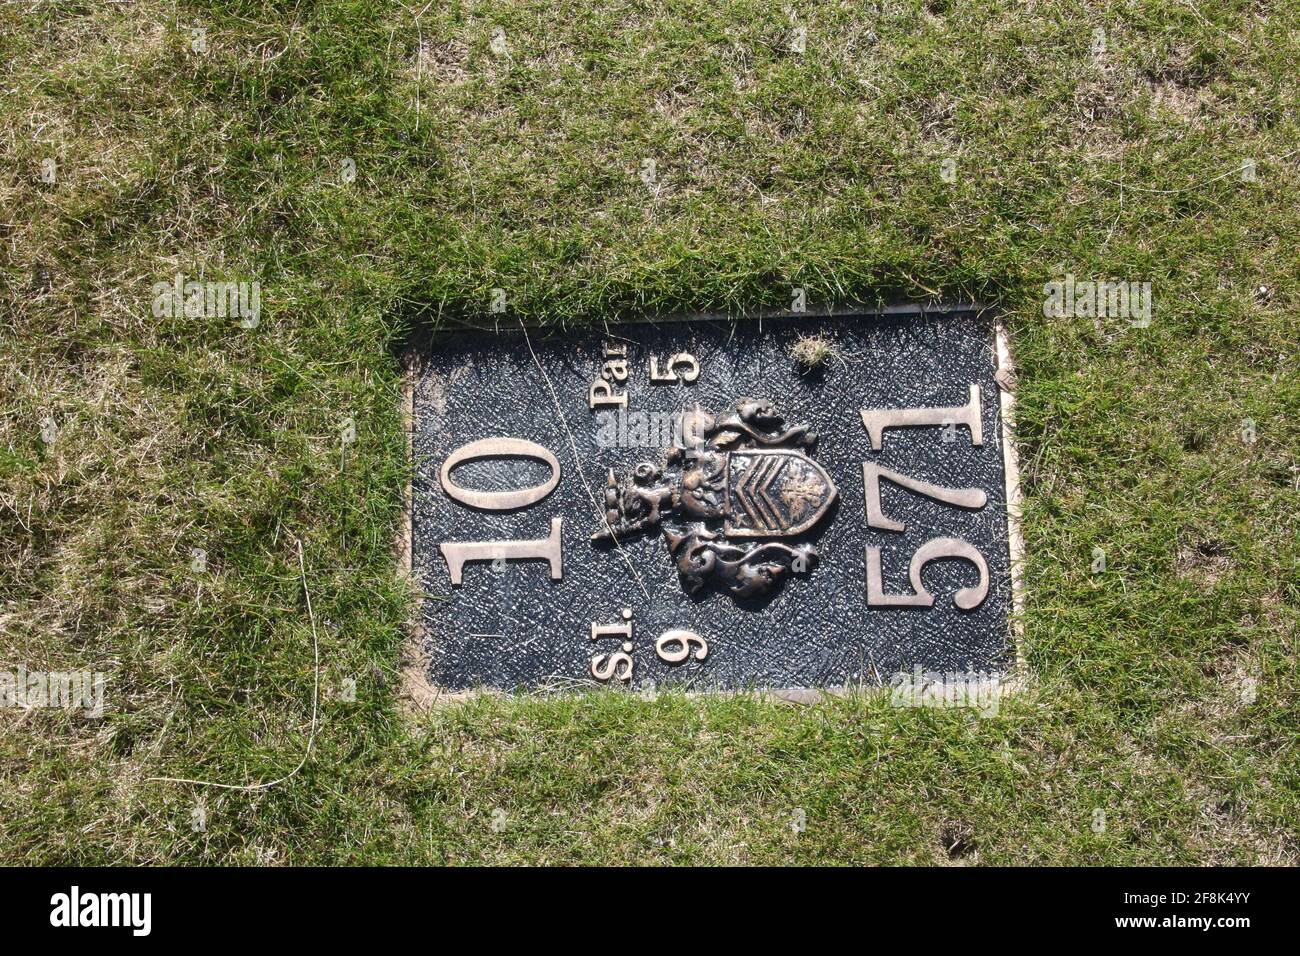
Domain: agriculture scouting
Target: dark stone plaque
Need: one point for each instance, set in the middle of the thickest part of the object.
(801, 502)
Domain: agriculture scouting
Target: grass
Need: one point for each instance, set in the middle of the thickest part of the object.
(1163, 689)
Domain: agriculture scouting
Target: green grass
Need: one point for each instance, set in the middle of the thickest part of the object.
(775, 169)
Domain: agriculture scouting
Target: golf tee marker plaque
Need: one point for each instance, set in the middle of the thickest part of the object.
(696, 503)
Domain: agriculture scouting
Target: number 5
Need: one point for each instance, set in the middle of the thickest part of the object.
(967, 598)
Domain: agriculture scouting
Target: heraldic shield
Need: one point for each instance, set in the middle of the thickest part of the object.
(724, 484)
(774, 493)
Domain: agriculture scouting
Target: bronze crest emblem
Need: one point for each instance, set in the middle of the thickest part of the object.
(724, 483)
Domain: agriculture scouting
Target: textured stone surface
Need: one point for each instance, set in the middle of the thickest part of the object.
(512, 626)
